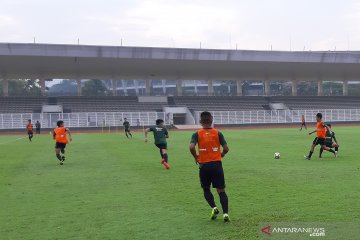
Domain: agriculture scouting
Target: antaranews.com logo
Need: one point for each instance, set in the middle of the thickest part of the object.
(308, 230)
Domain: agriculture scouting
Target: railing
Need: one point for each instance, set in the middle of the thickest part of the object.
(281, 116)
(114, 119)
(90, 119)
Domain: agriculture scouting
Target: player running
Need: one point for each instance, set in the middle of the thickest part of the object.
(60, 137)
(330, 136)
(37, 127)
(303, 124)
(209, 157)
(160, 136)
(320, 136)
(126, 125)
(29, 128)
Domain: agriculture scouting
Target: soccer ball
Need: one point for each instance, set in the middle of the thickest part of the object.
(277, 155)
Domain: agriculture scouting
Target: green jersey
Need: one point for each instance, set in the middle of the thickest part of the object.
(160, 134)
(329, 137)
(126, 125)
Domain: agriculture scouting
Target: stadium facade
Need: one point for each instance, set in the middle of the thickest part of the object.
(174, 71)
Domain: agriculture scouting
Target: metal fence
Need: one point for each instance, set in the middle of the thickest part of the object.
(281, 116)
(90, 119)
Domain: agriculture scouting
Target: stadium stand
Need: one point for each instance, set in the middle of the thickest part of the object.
(308, 102)
(21, 104)
(222, 103)
(194, 103)
(106, 104)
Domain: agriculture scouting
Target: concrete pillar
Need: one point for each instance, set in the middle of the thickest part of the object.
(196, 87)
(5, 86)
(345, 88)
(42, 86)
(148, 87)
(239, 84)
(114, 87)
(267, 87)
(78, 81)
(210, 88)
(136, 84)
(163, 83)
(179, 87)
(320, 88)
(294, 88)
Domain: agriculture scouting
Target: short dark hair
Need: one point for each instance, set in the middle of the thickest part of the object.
(159, 121)
(29, 120)
(59, 123)
(206, 118)
(319, 115)
(329, 125)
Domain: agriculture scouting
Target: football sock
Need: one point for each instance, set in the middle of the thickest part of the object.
(62, 151)
(126, 135)
(310, 154)
(224, 201)
(336, 149)
(321, 151)
(162, 155)
(209, 197)
(130, 134)
(59, 156)
(165, 157)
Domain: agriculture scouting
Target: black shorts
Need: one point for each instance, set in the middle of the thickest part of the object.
(30, 132)
(161, 146)
(127, 130)
(212, 174)
(319, 141)
(329, 145)
(60, 145)
(303, 124)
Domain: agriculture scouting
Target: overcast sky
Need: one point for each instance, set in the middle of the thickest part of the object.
(249, 24)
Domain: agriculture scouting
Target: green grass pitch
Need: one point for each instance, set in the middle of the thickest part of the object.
(114, 188)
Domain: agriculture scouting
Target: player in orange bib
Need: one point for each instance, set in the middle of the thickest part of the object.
(209, 155)
(29, 128)
(320, 136)
(61, 140)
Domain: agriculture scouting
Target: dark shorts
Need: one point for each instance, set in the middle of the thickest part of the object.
(30, 132)
(303, 124)
(329, 145)
(161, 146)
(60, 145)
(127, 130)
(319, 141)
(212, 174)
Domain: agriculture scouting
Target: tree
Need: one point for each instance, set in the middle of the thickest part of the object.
(65, 87)
(354, 89)
(24, 87)
(332, 88)
(94, 88)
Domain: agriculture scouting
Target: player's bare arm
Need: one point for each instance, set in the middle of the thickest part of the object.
(193, 152)
(69, 133)
(225, 150)
(146, 132)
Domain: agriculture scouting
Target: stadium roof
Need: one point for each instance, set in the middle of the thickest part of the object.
(114, 62)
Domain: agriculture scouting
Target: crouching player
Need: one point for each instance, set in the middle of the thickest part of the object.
(330, 141)
(210, 141)
(61, 140)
